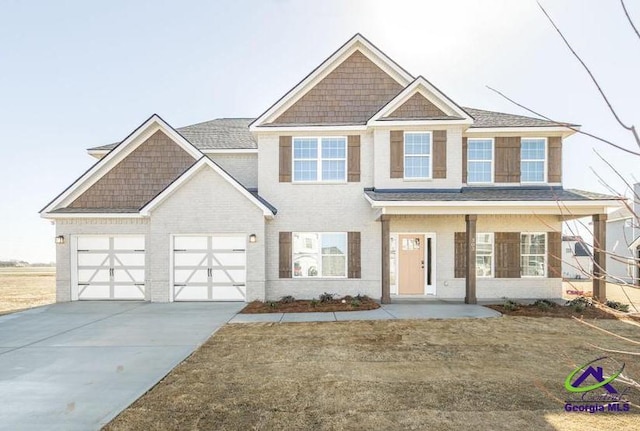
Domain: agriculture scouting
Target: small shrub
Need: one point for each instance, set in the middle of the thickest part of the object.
(326, 297)
(362, 298)
(544, 304)
(356, 302)
(618, 306)
(273, 304)
(510, 305)
(314, 302)
(579, 304)
(287, 299)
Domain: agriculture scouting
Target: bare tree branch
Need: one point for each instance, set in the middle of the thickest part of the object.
(624, 8)
(631, 128)
(568, 126)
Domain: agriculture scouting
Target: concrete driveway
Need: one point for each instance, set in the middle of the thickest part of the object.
(75, 366)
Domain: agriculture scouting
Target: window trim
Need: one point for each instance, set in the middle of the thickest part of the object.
(545, 162)
(320, 255)
(319, 179)
(544, 255)
(492, 161)
(404, 155)
(493, 254)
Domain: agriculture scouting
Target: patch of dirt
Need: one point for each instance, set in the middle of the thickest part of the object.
(592, 312)
(22, 288)
(304, 306)
(484, 374)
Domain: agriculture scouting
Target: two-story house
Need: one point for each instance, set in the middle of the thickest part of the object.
(362, 179)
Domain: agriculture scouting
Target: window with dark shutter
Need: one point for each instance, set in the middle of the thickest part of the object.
(507, 250)
(507, 159)
(354, 255)
(460, 264)
(285, 159)
(397, 154)
(284, 250)
(554, 254)
(353, 171)
(439, 154)
(554, 174)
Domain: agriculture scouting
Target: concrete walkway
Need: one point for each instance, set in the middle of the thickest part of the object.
(385, 312)
(75, 366)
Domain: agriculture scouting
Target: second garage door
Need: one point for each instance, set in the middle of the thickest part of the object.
(209, 268)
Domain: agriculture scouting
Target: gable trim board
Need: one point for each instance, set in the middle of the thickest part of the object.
(119, 153)
(182, 179)
(356, 43)
(430, 92)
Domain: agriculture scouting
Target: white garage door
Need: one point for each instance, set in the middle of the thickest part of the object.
(110, 267)
(209, 268)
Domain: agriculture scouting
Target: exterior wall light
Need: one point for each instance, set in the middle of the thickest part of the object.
(253, 237)
(60, 239)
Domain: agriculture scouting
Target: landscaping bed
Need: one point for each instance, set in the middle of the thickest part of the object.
(581, 307)
(326, 302)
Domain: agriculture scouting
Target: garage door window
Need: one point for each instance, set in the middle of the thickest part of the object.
(318, 254)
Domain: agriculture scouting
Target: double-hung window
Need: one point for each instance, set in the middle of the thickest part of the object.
(533, 254)
(319, 254)
(484, 255)
(533, 159)
(320, 159)
(479, 160)
(417, 155)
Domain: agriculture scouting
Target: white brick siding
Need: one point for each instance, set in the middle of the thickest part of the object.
(243, 167)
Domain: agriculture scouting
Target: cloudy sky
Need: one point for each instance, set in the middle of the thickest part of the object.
(75, 74)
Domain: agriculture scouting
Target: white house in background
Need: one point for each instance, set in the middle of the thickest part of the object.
(577, 261)
(623, 243)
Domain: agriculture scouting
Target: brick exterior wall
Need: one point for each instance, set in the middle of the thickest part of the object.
(139, 177)
(417, 106)
(243, 167)
(351, 93)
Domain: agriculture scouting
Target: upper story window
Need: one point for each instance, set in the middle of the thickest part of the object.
(533, 155)
(417, 155)
(480, 160)
(320, 159)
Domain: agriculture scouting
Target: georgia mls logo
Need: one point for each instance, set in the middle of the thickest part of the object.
(591, 389)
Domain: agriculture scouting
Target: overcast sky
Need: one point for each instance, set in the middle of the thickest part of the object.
(75, 74)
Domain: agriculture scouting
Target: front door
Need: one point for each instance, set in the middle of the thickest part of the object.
(411, 264)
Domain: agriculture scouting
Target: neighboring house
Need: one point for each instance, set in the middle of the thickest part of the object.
(362, 179)
(623, 243)
(577, 261)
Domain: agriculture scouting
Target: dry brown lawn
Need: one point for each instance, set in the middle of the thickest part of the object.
(22, 288)
(487, 374)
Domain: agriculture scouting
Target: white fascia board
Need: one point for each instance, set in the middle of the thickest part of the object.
(427, 204)
(311, 129)
(54, 216)
(356, 43)
(122, 150)
(204, 161)
(635, 244)
(417, 123)
(566, 131)
(230, 151)
(429, 92)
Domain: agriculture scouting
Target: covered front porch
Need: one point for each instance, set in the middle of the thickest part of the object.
(516, 247)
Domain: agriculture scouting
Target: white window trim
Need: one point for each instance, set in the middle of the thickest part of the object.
(493, 254)
(404, 156)
(545, 162)
(320, 277)
(319, 179)
(546, 248)
(493, 157)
